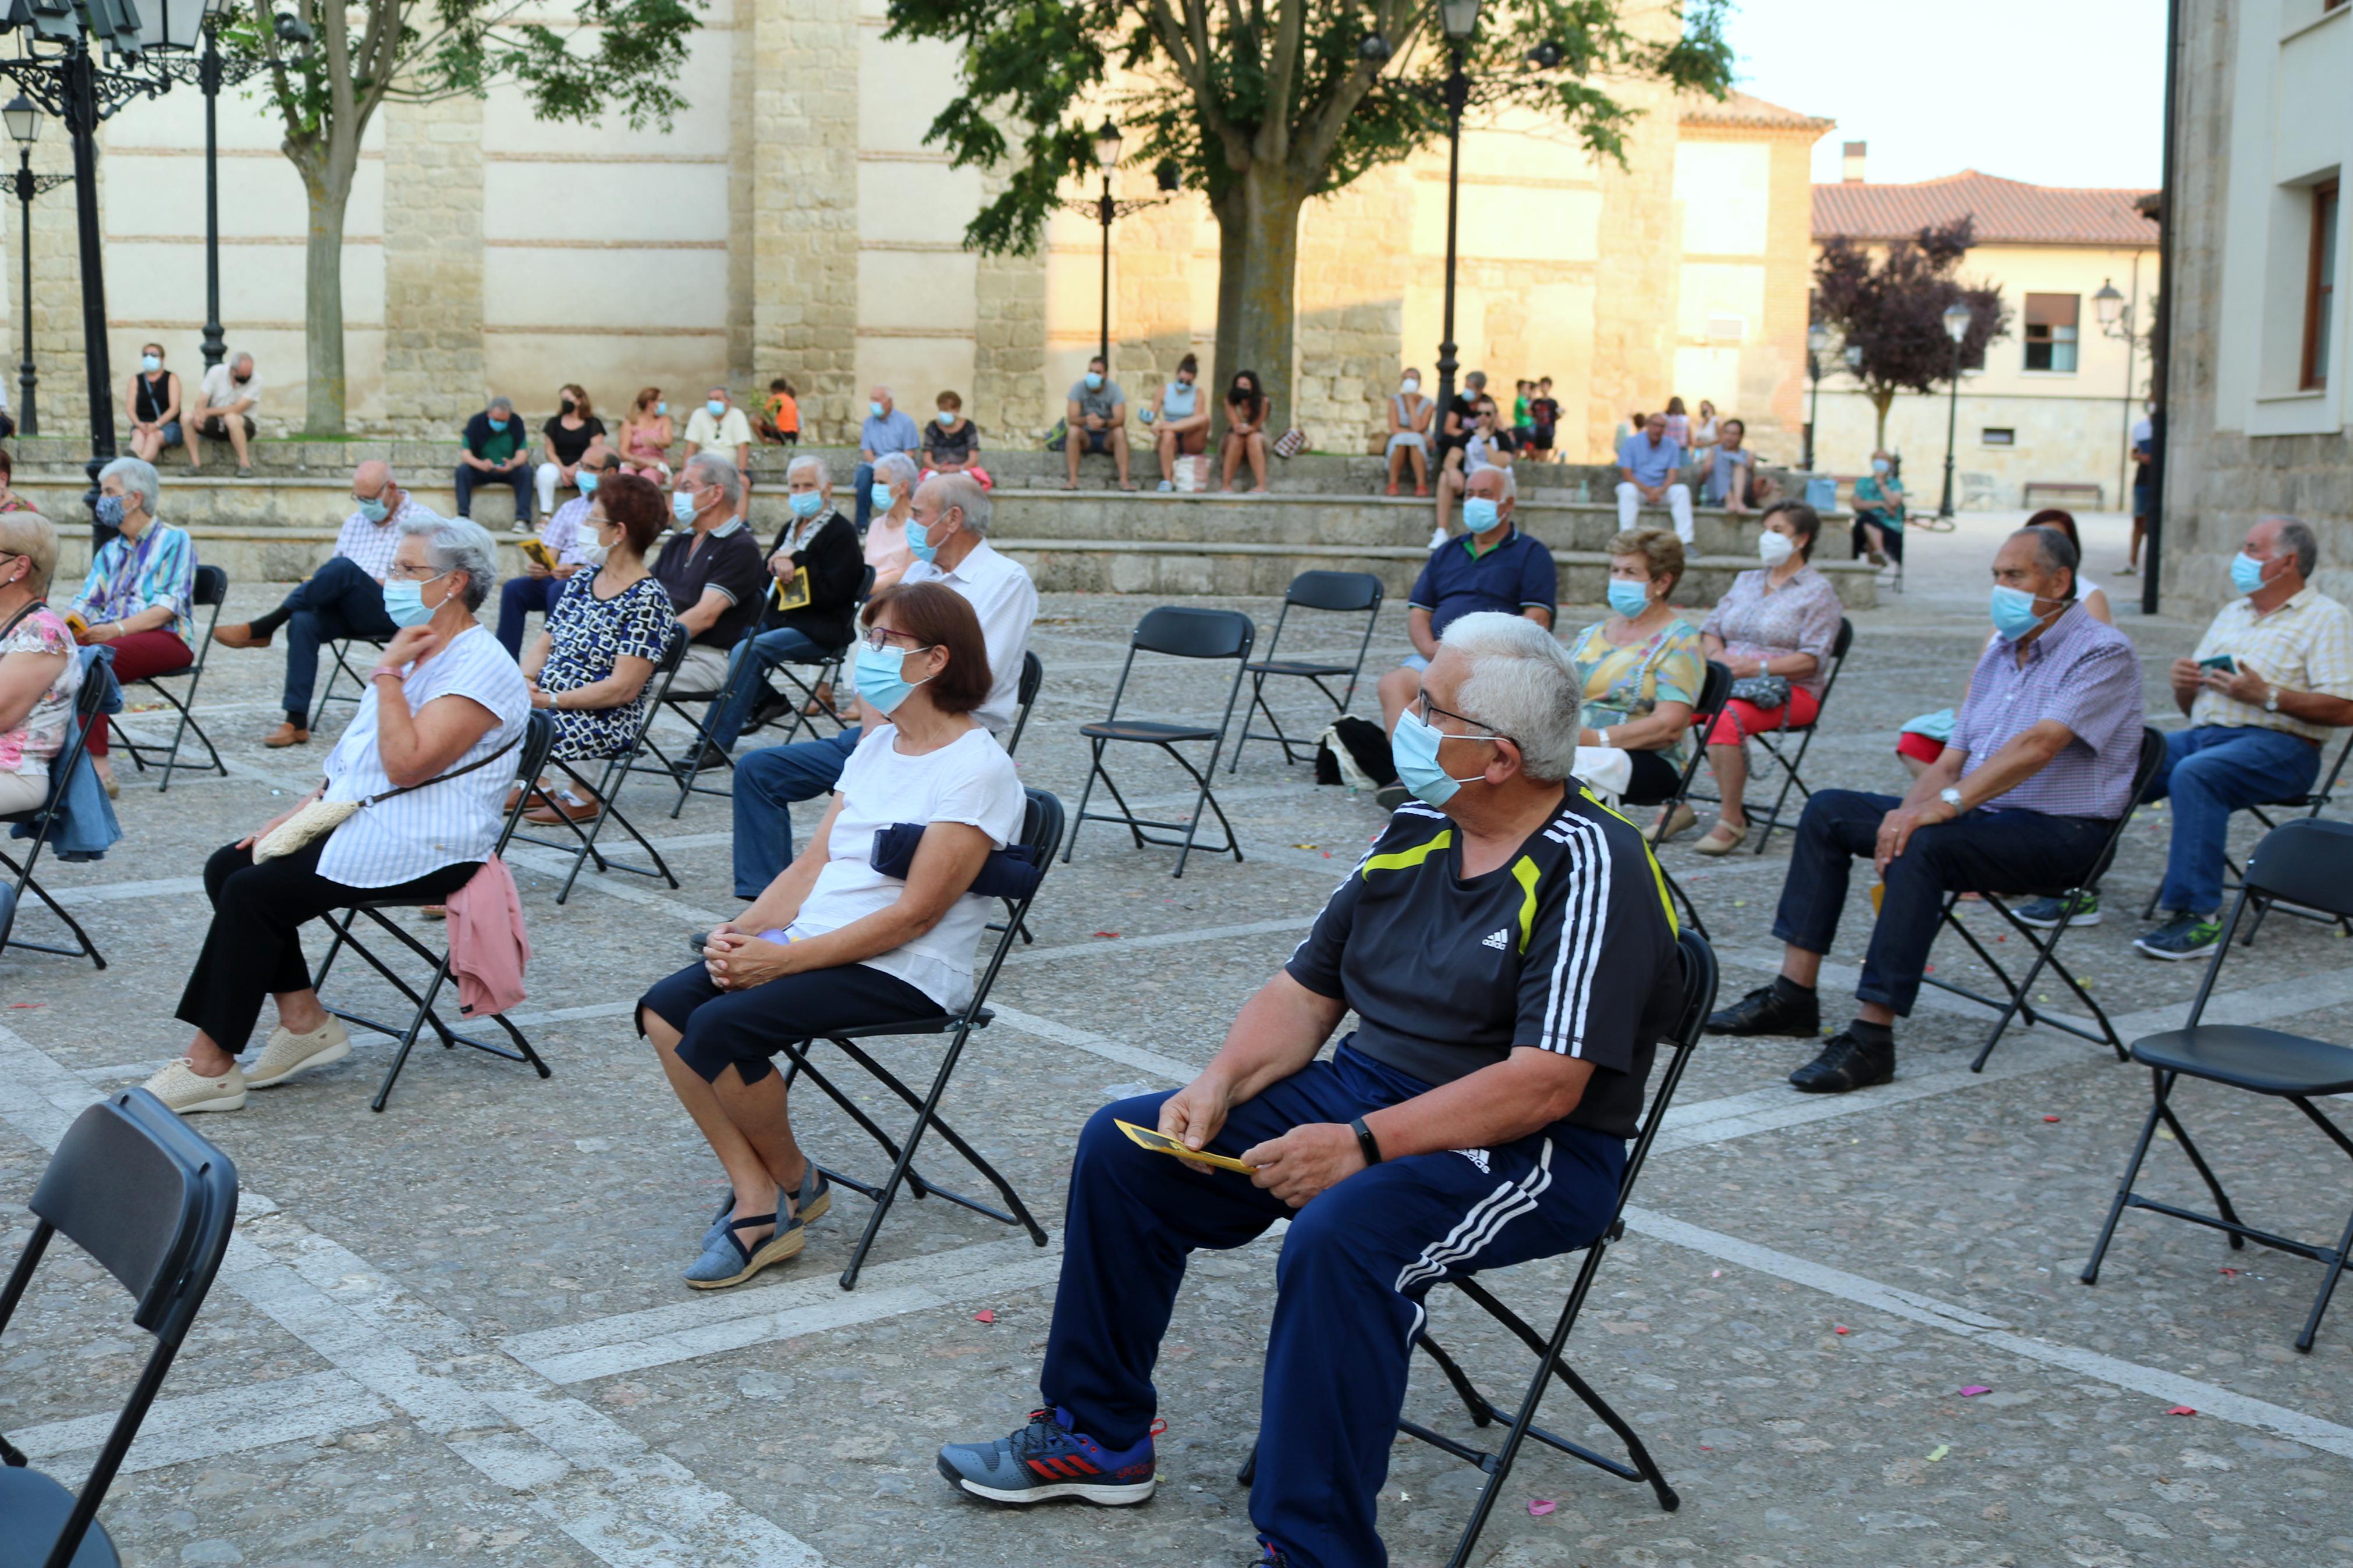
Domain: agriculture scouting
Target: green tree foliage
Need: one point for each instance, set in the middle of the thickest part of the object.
(613, 57)
(1891, 310)
(1266, 103)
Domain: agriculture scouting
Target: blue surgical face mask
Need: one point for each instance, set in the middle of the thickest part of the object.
(715, 408)
(1629, 599)
(587, 479)
(1479, 514)
(876, 679)
(879, 494)
(373, 509)
(1414, 748)
(2247, 572)
(1094, 379)
(918, 540)
(805, 503)
(681, 505)
(1880, 465)
(403, 601)
(497, 424)
(150, 363)
(874, 409)
(946, 417)
(110, 511)
(2013, 613)
(663, 407)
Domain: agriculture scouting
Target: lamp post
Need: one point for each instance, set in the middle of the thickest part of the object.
(2117, 316)
(1459, 19)
(1958, 317)
(23, 122)
(1818, 343)
(1170, 178)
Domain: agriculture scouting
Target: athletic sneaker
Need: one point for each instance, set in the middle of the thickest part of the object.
(2044, 913)
(289, 1052)
(1047, 1459)
(2186, 936)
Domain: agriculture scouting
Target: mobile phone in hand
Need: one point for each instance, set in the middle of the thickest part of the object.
(2221, 661)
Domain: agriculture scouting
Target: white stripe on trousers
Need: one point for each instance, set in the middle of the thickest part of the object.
(1476, 1229)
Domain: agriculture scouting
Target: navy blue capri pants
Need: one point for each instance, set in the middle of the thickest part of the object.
(745, 1029)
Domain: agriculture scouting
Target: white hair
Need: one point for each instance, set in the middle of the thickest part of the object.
(458, 544)
(1522, 684)
(810, 461)
(1511, 486)
(897, 468)
(713, 469)
(136, 474)
(968, 496)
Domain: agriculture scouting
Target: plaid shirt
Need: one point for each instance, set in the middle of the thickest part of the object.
(2085, 675)
(2306, 644)
(566, 532)
(371, 544)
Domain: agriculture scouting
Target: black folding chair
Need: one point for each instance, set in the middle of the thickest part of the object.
(829, 667)
(1025, 696)
(1357, 593)
(87, 711)
(153, 1203)
(2311, 805)
(1041, 830)
(211, 588)
(608, 791)
(2307, 863)
(1716, 691)
(2016, 1003)
(539, 738)
(1788, 758)
(1698, 962)
(339, 653)
(1176, 633)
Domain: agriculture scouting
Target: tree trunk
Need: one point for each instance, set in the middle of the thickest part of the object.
(329, 188)
(1883, 398)
(1258, 277)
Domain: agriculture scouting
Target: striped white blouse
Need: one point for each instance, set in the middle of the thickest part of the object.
(447, 823)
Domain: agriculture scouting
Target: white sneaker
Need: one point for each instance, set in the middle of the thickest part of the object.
(288, 1053)
(178, 1086)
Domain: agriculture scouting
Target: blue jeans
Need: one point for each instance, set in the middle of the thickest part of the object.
(2211, 771)
(767, 783)
(862, 483)
(1984, 852)
(470, 478)
(748, 664)
(1356, 1264)
(518, 596)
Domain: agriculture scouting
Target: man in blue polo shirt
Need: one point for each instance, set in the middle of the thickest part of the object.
(1493, 566)
(1650, 473)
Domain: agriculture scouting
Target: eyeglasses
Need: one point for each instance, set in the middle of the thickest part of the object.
(879, 638)
(1428, 708)
(412, 574)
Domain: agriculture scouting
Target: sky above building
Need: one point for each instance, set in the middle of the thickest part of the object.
(2055, 92)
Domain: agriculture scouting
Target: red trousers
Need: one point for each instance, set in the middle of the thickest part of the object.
(136, 656)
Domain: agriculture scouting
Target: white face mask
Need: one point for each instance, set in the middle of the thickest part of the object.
(1773, 548)
(1409, 386)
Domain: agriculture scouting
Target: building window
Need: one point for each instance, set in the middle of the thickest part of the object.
(1994, 437)
(2320, 286)
(2051, 331)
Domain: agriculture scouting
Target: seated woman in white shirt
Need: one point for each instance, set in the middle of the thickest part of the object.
(834, 943)
(443, 703)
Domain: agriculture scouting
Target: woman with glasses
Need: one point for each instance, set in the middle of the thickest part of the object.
(835, 942)
(417, 780)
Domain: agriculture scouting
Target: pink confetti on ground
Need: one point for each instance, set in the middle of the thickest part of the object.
(2050, 1119)
(1106, 933)
(1539, 1507)
(2181, 1410)
(984, 1316)
(1838, 1327)
(1973, 1389)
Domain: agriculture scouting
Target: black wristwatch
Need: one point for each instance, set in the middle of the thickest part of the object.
(1370, 1145)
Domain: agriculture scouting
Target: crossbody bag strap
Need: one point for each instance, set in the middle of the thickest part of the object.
(16, 619)
(453, 772)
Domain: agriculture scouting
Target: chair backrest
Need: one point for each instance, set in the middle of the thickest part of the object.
(1698, 962)
(145, 1194)
(1335, 591)
(2307, 862)
(2152, 757)
(1714, 692)
(1041, 831)
(538, 740)
(2325, 789)
(212, 585)
(1025, 694)
(1186, 633)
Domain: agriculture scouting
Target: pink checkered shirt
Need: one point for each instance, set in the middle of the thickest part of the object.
(2085, 674)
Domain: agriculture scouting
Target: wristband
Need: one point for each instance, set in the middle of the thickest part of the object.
(1370, 1145)
(382, 670)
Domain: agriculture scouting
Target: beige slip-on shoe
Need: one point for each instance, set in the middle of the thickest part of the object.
(179, 1087)
(288, 1053)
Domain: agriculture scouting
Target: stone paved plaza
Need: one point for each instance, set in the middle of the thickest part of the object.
(455, 1332)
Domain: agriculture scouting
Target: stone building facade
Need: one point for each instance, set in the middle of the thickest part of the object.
(2259, 419)
(792, 223)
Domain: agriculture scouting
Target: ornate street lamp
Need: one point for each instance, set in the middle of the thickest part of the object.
(1460, 20)
(1168, 174)
(1958, 317)
(23, 118)
(2116, 315)
(1818, 343)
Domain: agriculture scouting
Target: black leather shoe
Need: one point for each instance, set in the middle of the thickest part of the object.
(1846, 1063)
(1764, 1011)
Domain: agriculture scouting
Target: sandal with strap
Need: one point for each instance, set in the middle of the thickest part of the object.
(812, 1202)
(729, 1262)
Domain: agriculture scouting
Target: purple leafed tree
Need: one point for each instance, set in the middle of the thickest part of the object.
(1893, 309)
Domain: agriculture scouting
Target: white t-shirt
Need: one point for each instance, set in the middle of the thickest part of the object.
(221, 390)
(722, 436)
(969, 780)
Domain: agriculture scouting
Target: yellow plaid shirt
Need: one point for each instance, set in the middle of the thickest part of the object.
(2306, 644)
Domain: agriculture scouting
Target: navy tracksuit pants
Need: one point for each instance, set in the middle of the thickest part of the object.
(1355, 1264)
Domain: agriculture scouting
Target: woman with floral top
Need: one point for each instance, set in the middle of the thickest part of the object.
(39, 672)
(1641, 671)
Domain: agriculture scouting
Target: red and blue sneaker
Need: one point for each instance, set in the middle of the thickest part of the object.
(1047, 1459)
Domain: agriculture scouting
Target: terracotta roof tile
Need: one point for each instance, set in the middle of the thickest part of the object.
(2007, 212)
(1745, 110)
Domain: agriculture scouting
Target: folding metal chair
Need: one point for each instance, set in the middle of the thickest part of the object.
(1716, 691)
(1776, 745)
(2045, 942)
(1698, 962)
(2312, 805)
(153, 1203)
(608, 791)
(1176, 633)
(1041, 830)
(830, 670)
(539, 738)
(88, 710)
(1338, 591)
(340, 652)
(211, 588)
(2302, 862)
(1025, 695)
(696, 708)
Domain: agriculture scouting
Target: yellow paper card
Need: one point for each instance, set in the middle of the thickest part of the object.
(1161, 1143)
